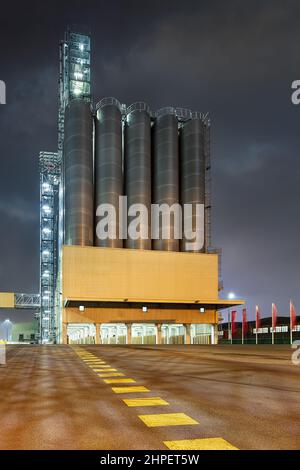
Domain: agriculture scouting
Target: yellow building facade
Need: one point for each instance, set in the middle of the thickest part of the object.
(139, 290)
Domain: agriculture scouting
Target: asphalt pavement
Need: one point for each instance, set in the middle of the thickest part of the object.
(147, 397)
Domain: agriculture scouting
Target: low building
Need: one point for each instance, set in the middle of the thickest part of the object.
(264, 332)
(119, 296)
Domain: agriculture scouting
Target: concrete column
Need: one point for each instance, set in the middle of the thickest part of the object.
(129, 332)
(214, 334)
(158, 335)
(97, 333)
(65, 333)
(188, 333)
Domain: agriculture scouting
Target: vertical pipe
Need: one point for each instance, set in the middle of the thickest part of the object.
(137, 168)
(192, 171)
(166, 174)
(78, 173)
(108, 165)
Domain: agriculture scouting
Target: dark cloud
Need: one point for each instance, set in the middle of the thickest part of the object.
(234, 59)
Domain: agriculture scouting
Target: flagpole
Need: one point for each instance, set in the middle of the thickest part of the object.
(272, 323)
(256, 324)
(243, 330)
(291, 323)
(231, 326)
(228, 320)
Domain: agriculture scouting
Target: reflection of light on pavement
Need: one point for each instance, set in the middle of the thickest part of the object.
(6, 327)
(296, 354)
(2, 353)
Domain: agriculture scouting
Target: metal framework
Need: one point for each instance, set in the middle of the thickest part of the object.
(30, 301)
(74, 83)
(49, 184)
(207, 185)
(74, 75)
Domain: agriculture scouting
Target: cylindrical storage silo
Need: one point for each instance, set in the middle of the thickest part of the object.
(78, 174)
(108, 171)
(192, 182)
(138, 176)
(165, 182)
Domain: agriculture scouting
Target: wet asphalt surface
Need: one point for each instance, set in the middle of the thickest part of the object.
(51, 398)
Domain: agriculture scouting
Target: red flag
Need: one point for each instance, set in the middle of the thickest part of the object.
(245, 322)
(274, 316)
(293, 315)
(233, 319)
(257, 318)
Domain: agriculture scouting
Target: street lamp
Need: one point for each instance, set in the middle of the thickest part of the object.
(231, 296)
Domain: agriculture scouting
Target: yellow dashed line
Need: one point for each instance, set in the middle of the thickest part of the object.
(93, 361)
(156, 401)
(153, 420)
(119, 381)
(216, 443)
(102, 367)
(168, 419)
(132, 389)
(100, 364)
(112, 374)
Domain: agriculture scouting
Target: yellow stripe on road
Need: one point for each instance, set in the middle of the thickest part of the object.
(156, 401)
(168, 419)
(119, 381)
(132, 389)
(98, 363)
(216, 443)
(111, 374)
(91, 361)
(104, 368)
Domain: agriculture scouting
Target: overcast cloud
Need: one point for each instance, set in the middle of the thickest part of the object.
(235, 59)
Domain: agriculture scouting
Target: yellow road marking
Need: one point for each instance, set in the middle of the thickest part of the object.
(93, 360)
(101, 366)
(216, 443)
(119, 381)
(98, 363)
(152, 401)
(131, 389)
(110, 369)
(104, 368)
(168, 419)
(112, 374)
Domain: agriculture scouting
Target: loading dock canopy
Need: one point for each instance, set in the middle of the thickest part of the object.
(219, 304)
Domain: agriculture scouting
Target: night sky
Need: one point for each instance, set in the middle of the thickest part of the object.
(235, 59)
